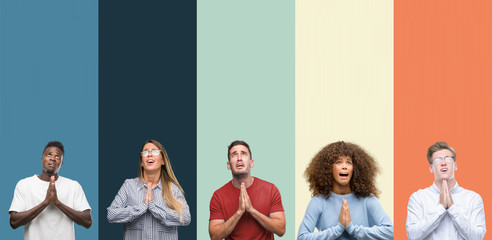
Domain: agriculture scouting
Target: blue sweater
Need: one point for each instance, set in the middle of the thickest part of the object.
(369, 221)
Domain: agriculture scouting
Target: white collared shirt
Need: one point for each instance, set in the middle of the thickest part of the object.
(428, 219)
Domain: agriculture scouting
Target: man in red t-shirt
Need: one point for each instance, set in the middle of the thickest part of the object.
(246, 207)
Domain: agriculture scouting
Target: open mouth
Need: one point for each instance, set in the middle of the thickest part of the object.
(444, 170)
(150, 161)
(343, 174)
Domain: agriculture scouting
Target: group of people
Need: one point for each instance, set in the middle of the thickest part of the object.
(341, 177)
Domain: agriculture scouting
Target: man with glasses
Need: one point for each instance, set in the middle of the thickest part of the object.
(445, 210)
(246, 207)
(48, 204)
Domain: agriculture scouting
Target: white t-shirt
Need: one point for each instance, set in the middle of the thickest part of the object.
(51, 223)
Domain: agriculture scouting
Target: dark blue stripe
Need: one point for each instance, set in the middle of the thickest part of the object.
(147, 89)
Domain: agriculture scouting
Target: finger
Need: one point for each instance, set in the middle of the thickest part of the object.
(241, 200)
(241, 196)
(344, 217)
(348, 218)
(245, 192)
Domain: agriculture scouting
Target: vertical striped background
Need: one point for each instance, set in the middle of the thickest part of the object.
(147, 90)
(443, 86)
(48, 91)
(288, 77)
(344, 86)
(245, 82)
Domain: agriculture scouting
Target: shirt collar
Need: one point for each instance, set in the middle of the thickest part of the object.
(159, 185)
(452, 190)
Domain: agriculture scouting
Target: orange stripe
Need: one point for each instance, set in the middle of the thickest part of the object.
(443, 91)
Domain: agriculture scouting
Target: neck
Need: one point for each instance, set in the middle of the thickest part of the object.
(247, 180)
(47, 177)
(341, 190)
(451, 183)
(153, 177)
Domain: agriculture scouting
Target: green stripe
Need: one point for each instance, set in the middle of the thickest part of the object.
(245, 90)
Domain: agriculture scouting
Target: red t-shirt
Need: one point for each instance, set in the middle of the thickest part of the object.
(264, 197)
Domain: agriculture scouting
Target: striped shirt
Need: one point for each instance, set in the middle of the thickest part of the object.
(153, 221)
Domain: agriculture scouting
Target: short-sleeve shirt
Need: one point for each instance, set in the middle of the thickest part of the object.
(51, 223)
(264, 197)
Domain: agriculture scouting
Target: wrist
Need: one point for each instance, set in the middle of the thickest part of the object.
(252, 211)
(240, 212)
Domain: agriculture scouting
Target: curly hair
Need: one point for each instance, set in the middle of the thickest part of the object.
(319, 173)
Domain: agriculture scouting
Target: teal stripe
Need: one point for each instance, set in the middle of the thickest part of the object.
(245, 90)
(48, 91)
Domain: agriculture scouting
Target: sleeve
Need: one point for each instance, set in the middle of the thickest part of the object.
(167, 216)
(306, 229)
(276, 201)
(18, 202)
(470, 225)
(420, 224)
(381, 225)
(120, 211)
(216, 208)
(80, 201)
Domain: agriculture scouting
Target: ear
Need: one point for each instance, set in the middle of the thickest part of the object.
(430, 169)
(228, 165)
(252, 163)
(455, 166)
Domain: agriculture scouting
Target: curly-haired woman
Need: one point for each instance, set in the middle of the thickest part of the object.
(344, 204)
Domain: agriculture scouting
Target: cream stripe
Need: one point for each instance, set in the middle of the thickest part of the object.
(344, 85)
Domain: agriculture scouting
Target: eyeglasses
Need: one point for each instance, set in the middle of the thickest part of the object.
(154, 152)
(439, 160)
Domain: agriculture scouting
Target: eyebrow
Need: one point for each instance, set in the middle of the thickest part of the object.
(54, 153)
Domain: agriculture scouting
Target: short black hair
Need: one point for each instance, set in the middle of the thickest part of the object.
(238, 142)
(57, 144)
